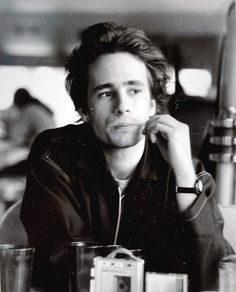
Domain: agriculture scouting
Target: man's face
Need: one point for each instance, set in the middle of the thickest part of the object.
(119, 99)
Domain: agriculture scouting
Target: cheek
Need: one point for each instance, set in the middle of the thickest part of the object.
(98, 119)
(99, 112)
(98, 107)
(97, 126)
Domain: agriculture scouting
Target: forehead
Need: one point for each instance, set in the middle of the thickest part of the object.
(117, 67)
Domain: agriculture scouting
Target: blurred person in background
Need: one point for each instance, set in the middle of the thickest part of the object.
(26, 118)
(20, 124)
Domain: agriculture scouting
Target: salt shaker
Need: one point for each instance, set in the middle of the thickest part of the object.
(227, 274)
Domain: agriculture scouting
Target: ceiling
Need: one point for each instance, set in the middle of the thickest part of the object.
(38, 32)
(123, 6)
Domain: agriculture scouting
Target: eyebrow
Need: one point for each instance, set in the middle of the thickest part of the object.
(134, 82)
(110, 85)
(102, 86)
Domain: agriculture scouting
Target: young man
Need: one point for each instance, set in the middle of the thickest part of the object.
(126, 175)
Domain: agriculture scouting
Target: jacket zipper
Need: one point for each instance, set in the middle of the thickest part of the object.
(52, 163)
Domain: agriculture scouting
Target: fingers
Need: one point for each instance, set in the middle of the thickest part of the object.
(173, 139)
(165, 125)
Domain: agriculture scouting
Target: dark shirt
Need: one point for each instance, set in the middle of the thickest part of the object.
(72, 196)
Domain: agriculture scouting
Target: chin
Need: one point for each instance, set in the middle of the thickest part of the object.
(125, 142)
(122, 145)
(121, 140)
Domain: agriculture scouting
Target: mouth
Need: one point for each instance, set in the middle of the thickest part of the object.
(126, 126)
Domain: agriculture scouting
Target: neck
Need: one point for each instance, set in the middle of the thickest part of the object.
(123, 161)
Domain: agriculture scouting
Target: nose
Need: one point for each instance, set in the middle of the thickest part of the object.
(122, 103)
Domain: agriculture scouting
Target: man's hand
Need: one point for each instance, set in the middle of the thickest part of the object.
(172, 137)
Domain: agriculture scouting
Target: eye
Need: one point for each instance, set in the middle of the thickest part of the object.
(105, 94)
(134, 91)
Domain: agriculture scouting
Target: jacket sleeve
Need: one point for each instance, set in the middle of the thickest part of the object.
(198, 236)
(52, 218)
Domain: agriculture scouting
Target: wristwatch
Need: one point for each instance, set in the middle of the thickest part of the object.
(197, 188)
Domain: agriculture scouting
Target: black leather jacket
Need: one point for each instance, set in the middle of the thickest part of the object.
(71, 195)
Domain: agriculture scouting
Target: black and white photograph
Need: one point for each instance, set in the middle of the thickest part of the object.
(117, 142)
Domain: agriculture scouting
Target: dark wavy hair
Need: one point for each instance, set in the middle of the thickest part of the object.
(109, 37)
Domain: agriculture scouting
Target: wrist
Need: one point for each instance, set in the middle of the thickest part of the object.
(185, 178)
(186, 196)
(185, 201)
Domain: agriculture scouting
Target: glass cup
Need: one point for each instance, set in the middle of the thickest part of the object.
(16, 264)
(81, 256)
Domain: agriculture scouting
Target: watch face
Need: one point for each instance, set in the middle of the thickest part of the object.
(198, 186)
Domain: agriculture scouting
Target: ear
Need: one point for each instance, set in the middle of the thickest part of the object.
(153, 107)
(84, 115)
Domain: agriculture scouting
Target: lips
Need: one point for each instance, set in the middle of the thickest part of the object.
(126, 126)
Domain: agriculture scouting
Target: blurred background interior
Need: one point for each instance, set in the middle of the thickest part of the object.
(37, 36)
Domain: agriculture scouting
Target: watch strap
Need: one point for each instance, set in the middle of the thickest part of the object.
(197, 189)
(185, 190)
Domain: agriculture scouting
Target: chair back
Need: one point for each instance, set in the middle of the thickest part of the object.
(11, 227)
(229, 215)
